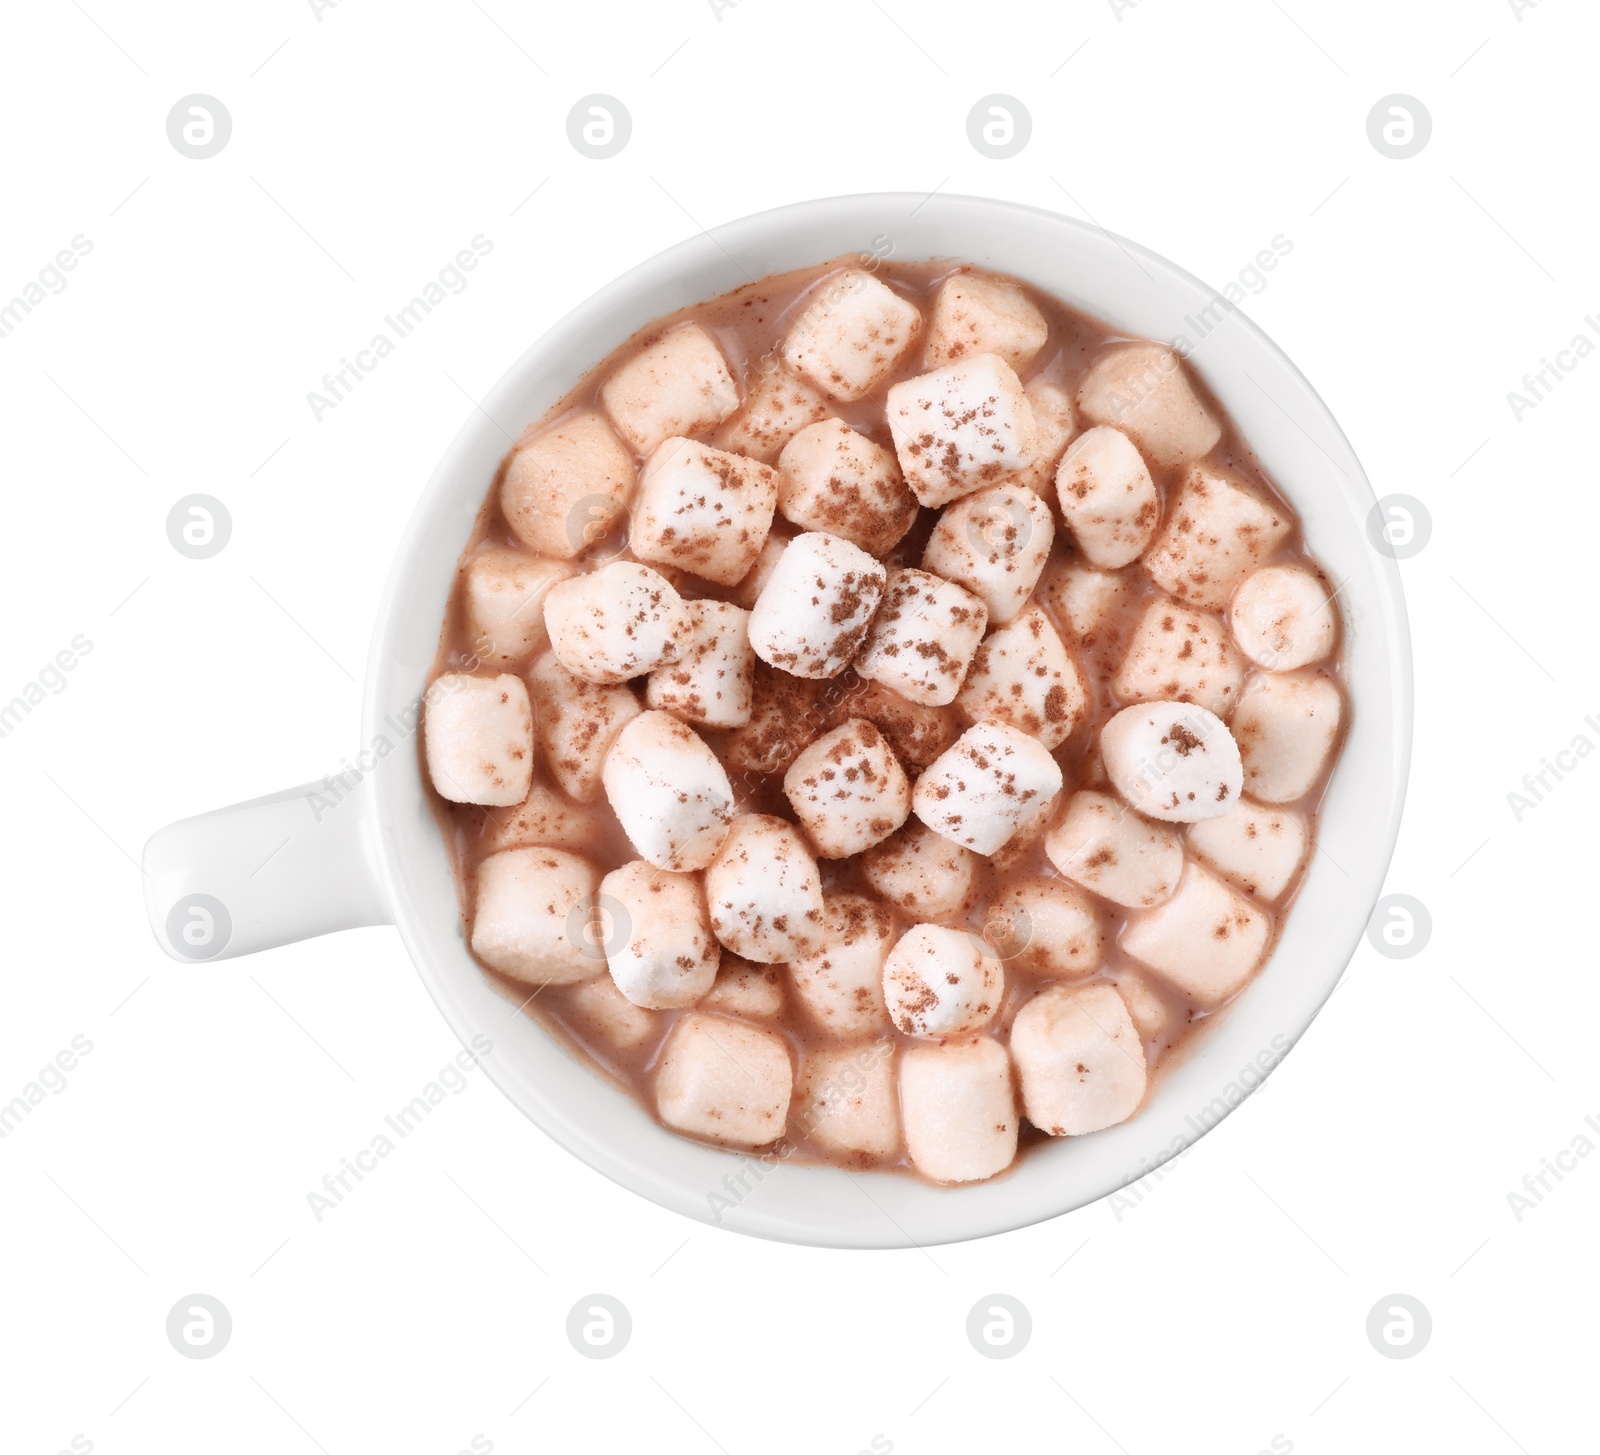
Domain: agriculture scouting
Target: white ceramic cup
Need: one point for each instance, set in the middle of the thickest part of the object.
(321, 858)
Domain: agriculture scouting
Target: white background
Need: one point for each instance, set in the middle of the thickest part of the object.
(1228, 1305)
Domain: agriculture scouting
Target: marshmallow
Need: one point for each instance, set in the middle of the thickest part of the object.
(1047, 927)
(577, 723)
(1148, 1011)
(749, 587)
(975, 313)
(1107, 497)
(1259, 848)
(479, 737)
(994, 543)
(960, 428)
(677, 385)
(786, 713)
(846, 1101)
(1172, 761)
(703, 510)
(745, 991)
(941, 982)
(1054, 423)
(615, 623)
(724, 1081)
(812, 614)
(1029, 835)
(778, 408)
(917, 733)
(835, 480)
(713, 679)
(1080, 1060)
(1216, 532)
(1283, 618)
(656, 936)
(545, 819)
(531, 916)
(567, 486)
(1286, 728)
(1023, 676)
(1087, 602)
(841, 983)
(602, 1012)
(1106, 847)
(978, 792)
(1207, 939)
(503, 593)
(848, 790)
(923, 637)
(764, 891)
(851, 334)
(921, 873)
(1142, 389)
(959, 1109)
(1180, 655)
(669, 792)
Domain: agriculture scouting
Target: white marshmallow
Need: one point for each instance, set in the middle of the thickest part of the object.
(1216, 532)
(917, 732)
(959, 1109)
(1286, 727)
(578, 721)
(764, 891)
(669, 792)
(616, 623)
(713, 679)
(601, 1012)
(1055, 421)
(1106, 847)
(786, 713)
(503, 593)
(750, 586)
(941, 982)
(677, 385)
(923, 637)
(835, 480)
(978, 792)
(1107, 497)
(1047, 927)
(1148, 1011)
(851, 334)
(545, 819)
(724, 1081)
(1179, 655)
(567, 486)
(1260, 849)
(994, 543)
(745, 991)
(1142, 389)
(779, 406)
(848, 790)
(478, 732)
(846, 1101)
(1172, 761)
(1023, 676)
(960, 428)
(1029, 835)
(976, 313)
(1283, 618)
(1080, 1060)
(1207, 939)
(841, 983)
(1089, 603)
(532, 913)
(703, 510)
(921, 873)
(656, 936)
(814, 611)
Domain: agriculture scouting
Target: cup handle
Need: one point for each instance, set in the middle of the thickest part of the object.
(268, 872)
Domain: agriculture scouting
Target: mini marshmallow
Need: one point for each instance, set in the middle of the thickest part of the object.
(846, 1101)
(567, 486)
(1179, 655)
(917, 732)
(532, 909)
(848, 790)
(713, 680)
(616, 623)
(578, 722)
(778, 408)
(503, 592)
(1216, 532)
(1107, 497)
(1148, 1011)
(754, 581)
(851, 334)
(1047, 927)
(922, 873)
(1089, 603)
(813, 613)
(545, 819)
(841, 983)
(669, 792)
(1055, 421)
(960, 428)
(745, 991)
(703, 510)
(1207, 939)
(923, 637)
(677, 385)
(1283, 618)
(941, 982)
(1080, 1060)
(975, 313)
(835, 480)
(1108, 849)
(1143, 390)
(786, 713)
(978, 792)
(959, 1109)
(601, 1011)
(1286, 727)
(1023, 676)
(994, 543)
(764, 891)
(478, 732)
(656, 936)
(1029, 835)
(1173, 761)
(1259, 848)
(724, 1081)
